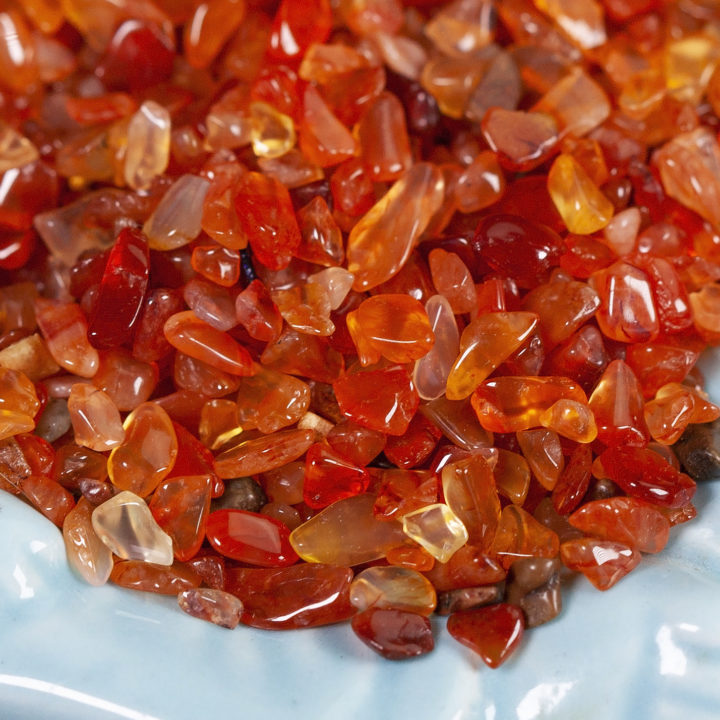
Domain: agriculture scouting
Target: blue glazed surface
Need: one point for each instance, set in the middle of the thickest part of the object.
(648, 648)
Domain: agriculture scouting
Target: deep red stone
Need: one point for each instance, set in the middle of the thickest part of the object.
(193, 458)
(644, 474)
(330, 477)
(250, 538)
(574, 480)
(582, 357)
(15, 248)
(139, 56)
(39, 453)
(304, 595)
(277, 85)
(493, 632)
(585, 256)
(383, 400)
(519, 248)
(121, 291)
(360, 445)
(297, 25)
(415, 445)
(266, 216)
(655, 364)
(180, 505)
(394, 634)
(87, 271)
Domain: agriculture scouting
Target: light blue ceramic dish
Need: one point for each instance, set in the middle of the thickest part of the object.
(648, 648)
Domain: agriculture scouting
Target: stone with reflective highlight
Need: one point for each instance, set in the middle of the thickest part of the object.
(270, 400)
(492, 632)
(602, 562)
(126, 525)
(176, 220)
(346, 533)
(626, 520)
(48, 496)
(267, 218)
(436, 528)
(299, 596)
(264, 453)
(394, 634)
(121, 291)
(617, 406)
(147, 453)
(579, 201)
(148, 145)
(688, 166)
(86, 553)
(394, 326)
(627, 311)
(543, 452)
(393, 587)
(180, 505)
(381, 242)
(432, 370)
(646, 475)
(95, 418)
(469, 490)
(485, 344)
(185, 332)
(571, 419)
(383, 400)
(64, 328)
(250, 538)
(330, 477)
(510, 404)
(519, 535)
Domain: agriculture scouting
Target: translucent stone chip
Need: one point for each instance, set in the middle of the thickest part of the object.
(438, 529)
(126, 525)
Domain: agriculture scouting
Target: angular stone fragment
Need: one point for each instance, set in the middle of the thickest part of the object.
(215, 606)
(241, 494)
(126, 525)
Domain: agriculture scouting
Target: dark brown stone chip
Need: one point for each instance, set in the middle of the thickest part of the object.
(698, 451)
(241, 494)
(469, 598)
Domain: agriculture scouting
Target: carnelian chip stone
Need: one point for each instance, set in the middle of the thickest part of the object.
(326, 310)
